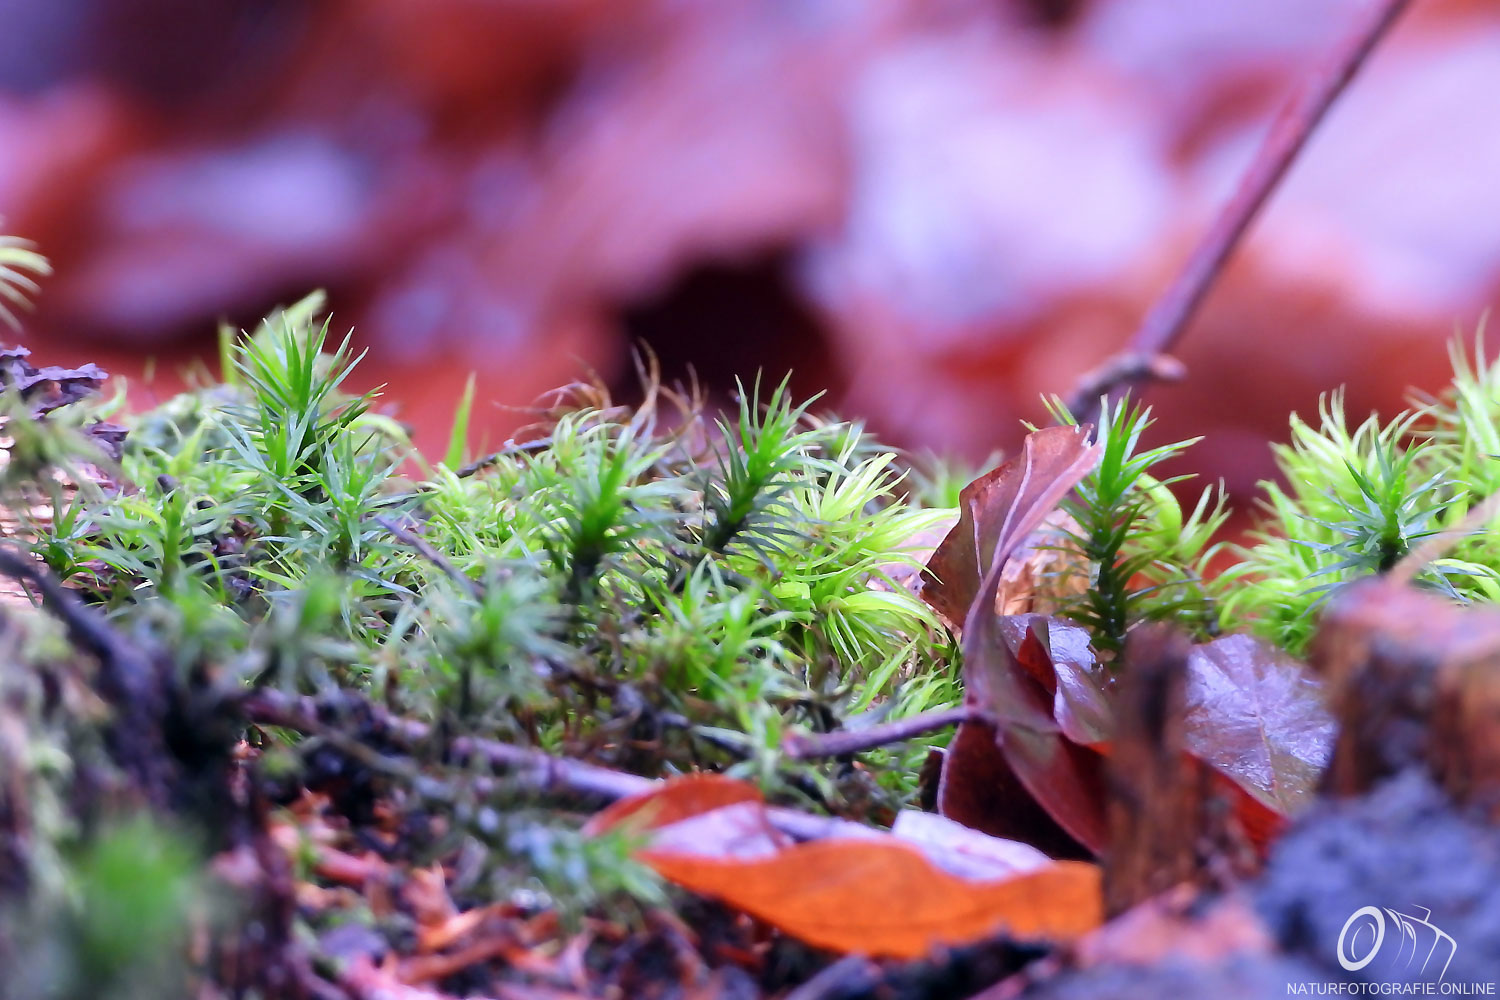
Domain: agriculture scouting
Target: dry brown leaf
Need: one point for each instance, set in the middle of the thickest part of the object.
(873, 895)
(884, 899)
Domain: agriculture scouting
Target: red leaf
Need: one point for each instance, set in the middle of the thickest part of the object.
(982, 787)
(999, 509)
(1057, 653)
(1052, 462)
(1257, 716)
(1063, 778)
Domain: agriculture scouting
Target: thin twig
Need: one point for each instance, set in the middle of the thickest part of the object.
(537, 769)
(804, 746)
(1294, 124)
(432, 555)
(511, 448)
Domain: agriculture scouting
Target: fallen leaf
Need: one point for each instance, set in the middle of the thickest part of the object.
(1062, 777)
(676, 800)
(884, 899)
(1258, 717)
(963, 851)
(1057, 653)
(739, 831)
(1012, 503)
(978, 788)
(1005, 504)
(874, 894)
(1066, 779)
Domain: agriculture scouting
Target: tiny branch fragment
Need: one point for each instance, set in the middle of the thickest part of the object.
(429, 553)
(1118, 373)
(542, 770)
(538, 769)
(523, 448)
(1295, 123)
(805, 746)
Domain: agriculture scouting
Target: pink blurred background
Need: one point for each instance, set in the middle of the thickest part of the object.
(934, 209)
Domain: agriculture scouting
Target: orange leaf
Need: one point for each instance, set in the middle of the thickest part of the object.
(678, 799)
(877, 894)
(884, 899)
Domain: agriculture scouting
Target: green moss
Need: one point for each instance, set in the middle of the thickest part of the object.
(632, 565)
(1131, 554)
(1350, 503)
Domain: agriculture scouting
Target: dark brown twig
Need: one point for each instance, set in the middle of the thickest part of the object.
(511, 448)
(804, 746)
(431, 554)
(1294, 124)
(534, 768)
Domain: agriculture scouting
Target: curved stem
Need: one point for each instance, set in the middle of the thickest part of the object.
(1295, 123)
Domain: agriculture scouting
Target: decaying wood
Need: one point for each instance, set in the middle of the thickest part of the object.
(1414, 681)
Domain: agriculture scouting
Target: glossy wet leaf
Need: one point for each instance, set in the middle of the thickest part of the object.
(1258, 716)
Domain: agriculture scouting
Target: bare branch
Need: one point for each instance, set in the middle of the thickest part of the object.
(803, 746)
(1289, 133)
(432, 555)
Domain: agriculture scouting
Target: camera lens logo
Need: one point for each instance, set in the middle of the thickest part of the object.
(1373, 931)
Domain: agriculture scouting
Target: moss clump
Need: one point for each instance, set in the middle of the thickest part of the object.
(642, 586)
(1352, 502)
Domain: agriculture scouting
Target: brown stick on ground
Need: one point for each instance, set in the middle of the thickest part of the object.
(806, 746)
(1295, 123)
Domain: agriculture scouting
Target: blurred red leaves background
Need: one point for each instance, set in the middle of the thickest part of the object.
(937, 209)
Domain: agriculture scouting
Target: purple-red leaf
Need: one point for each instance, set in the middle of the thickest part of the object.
(1058, 775)
(1056, 652)
(999, 509)
(980, 789)
(1257, 716)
